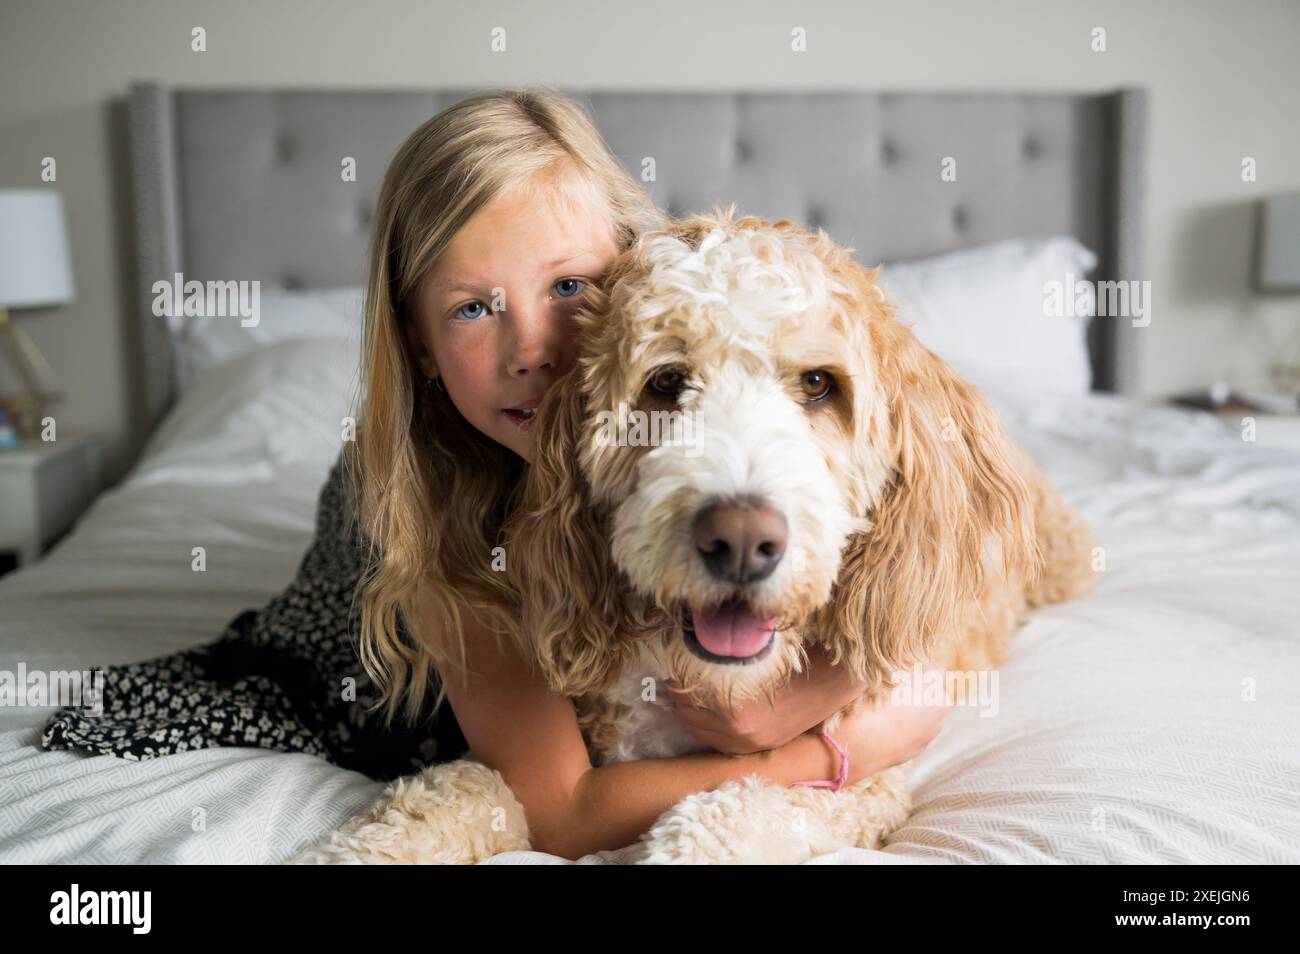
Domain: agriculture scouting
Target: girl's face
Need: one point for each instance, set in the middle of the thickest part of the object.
(494, 317)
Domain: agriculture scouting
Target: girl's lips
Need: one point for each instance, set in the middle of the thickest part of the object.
(521, 418)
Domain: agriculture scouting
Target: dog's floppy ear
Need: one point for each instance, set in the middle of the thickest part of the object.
(956, 495)
(573, 616)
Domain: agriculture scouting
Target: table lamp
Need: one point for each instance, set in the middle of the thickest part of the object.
(1279, 271)
(35, 271)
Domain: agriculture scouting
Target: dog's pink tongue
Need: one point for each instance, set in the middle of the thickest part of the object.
(731, 629)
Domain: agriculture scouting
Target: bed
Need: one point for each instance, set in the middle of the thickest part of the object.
(1155, 721)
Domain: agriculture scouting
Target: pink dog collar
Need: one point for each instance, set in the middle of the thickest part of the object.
(838, 784)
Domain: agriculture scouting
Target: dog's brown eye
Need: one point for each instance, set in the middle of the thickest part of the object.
(816, 384)
(668, 381)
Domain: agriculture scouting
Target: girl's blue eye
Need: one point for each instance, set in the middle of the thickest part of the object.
(460, 312)
(565, 288)
(568, 287)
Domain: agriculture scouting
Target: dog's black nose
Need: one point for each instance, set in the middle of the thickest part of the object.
(740, 541)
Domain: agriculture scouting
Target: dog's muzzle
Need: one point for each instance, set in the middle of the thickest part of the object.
(741, 541)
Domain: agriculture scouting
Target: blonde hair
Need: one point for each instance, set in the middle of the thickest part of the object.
(431, 490)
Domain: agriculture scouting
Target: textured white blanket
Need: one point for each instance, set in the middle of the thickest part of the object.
(1157, 720)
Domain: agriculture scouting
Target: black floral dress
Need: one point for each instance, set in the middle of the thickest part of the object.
(284, 677)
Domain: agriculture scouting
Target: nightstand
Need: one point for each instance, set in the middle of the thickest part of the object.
(44, 487)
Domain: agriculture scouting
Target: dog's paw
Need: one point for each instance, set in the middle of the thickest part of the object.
(750, 821)
(452, 813)
(865, 815)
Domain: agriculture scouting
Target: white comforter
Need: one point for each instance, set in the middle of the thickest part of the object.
(1157, 720)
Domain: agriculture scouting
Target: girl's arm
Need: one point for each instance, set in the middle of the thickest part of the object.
(614, 804)
(516, 725)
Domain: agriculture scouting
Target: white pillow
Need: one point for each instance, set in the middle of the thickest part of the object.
(985, 310)
(203, 343)
(245, 418)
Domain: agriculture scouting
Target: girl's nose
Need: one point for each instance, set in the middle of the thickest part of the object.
(536, 343)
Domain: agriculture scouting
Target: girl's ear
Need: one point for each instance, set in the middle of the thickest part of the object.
(573, 614)
(956, 506)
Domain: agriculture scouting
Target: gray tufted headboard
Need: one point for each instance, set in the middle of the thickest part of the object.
(247, 184)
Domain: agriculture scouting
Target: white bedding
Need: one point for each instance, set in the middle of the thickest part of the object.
(1123, 735)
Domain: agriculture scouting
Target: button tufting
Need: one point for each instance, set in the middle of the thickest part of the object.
(283, 150)
(291, 283)
(888, 152)
(959, 219)
(743, 150)
(1032, 149)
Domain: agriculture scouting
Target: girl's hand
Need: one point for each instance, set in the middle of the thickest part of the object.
(883, 734)
(808, 700)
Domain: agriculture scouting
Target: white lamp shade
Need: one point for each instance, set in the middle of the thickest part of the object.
(1279, 244)
(35, 268)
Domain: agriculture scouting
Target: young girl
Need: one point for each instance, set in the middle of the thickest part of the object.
(493, 219)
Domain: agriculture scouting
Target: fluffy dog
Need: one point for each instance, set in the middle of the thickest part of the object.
(816, 477)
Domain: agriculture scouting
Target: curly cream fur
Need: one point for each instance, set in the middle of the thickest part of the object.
(921, 529)
(453, 813)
